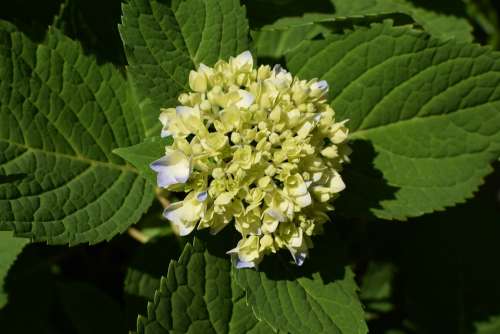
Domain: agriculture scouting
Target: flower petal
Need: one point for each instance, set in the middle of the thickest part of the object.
(185, 215)
(173, 168)
(243, 264)
(176, 214)
(298, 256)
(321, 85)
(336, 183)
(244, 60)
(197, 81)
(201, 197)
(184, 111)
(246, 99)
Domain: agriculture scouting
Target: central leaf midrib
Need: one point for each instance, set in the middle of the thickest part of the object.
(191, 57)
(108, 164)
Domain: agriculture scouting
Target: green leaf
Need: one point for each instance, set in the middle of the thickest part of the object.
(274, 42)
(197, 296)
(165, 40)
(376, 287)
(61, 115)
(143, 154)
(320, 297)
(439, 25)
(428, 108)
(485, 15)
(90, 310)
(144, 272)
(243, 320)
(491, 326)
(10, 247)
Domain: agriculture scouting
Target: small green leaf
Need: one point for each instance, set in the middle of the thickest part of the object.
(490, 326)
(10, 247)
(285, 34)
(376, 287)
(274, 43)
(165, 40)
(61, 115)
(197, 296)
(428, 108)
(143, 154)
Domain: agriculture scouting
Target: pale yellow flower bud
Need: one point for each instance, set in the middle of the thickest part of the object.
(197, 81)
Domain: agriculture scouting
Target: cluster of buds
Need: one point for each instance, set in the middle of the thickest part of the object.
(257, 148)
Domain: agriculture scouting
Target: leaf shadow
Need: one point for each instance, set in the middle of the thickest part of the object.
(145, 270)
(327, 259)
(12, 178)
(366, 186)
(447, 278)
(96, 30)
(452, 255)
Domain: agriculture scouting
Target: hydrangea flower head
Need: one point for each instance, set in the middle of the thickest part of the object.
(256, 148)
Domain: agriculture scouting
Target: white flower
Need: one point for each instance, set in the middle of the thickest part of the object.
(319, 88)
(296, 188)
(185, 214)
(297, 247)
(247, 250)
(271, 219)
(173, 168)
(244, 61)
(246, 99)
(164, 121)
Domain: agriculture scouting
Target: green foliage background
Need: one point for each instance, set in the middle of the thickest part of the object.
(413, 242)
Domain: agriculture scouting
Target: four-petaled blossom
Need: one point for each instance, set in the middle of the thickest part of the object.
(256, 148)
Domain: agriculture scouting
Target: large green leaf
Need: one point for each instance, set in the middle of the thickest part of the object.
(61, 115)
(197, 296)
(10, 247)
(428, 108)
(164, 40)
(439, 25)
(320, 297)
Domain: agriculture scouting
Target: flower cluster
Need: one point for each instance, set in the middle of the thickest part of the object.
(256, 147)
